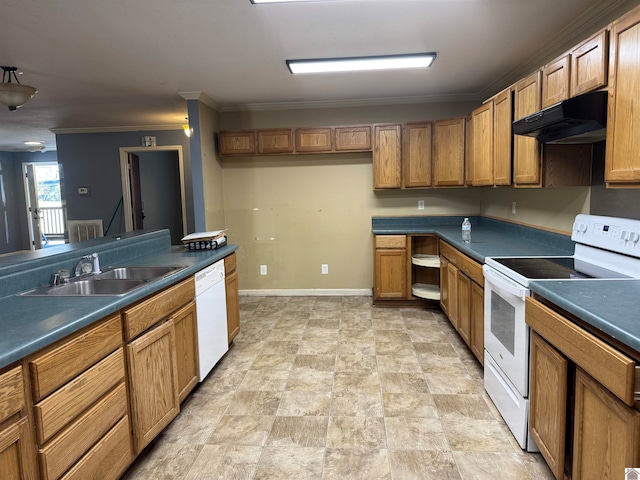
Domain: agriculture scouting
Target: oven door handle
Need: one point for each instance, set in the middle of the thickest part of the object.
(504, 283)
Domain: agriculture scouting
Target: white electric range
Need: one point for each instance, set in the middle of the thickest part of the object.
(606, 248)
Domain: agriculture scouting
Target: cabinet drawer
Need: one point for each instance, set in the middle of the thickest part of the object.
(66, 361)
(230, 263)
(471, 269)
(604, 363)
(108, 458)
(81, 435)
(11, 393)
(150, 311)
(55, 411)
(391, 241)
(449, 252)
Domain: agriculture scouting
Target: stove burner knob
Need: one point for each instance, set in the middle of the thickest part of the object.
(634, 237)
(624, 236)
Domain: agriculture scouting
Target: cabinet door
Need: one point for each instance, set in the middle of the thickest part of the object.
(548, 408)
(464, 307)
(237, 143)
(185, 322)
(606, 432)
(314, 140)
(589, 64)
(353, 139)
(622, 164)
(448, 152)
(555, 81)
(482, 145)
(526, 150)
(387, 157)
(444, 284)
(233, 306)
(452, 281)
(416, 155)
(390, 273)
(502, 137)
(153, 380)
(468, 150)
(15, 452)
(275, 141)
(477, 321)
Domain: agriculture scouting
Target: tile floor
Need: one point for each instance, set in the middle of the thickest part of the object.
(333, 388)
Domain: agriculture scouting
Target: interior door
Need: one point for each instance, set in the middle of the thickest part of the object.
(33, 210)
(136, 191)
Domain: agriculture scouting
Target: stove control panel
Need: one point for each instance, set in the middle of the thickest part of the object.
(621, 235)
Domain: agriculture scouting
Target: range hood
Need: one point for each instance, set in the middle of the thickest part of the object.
(581, 119)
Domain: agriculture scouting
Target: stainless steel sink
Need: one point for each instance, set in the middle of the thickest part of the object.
(89, 287)
(136, 273)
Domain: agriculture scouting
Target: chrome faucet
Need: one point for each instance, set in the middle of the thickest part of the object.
(94, 265)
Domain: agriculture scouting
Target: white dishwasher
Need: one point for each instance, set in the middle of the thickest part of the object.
(211, 311)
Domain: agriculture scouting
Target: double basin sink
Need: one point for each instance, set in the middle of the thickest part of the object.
(112, 281)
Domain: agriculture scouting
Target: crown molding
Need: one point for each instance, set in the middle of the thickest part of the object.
(201, 97)
(128, 128)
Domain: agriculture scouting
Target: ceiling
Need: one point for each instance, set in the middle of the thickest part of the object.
(121, 63)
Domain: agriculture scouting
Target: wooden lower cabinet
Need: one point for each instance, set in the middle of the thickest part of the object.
(606, 436)
(548, 407)
(17, 447)
(233, 307)
(153, 381)
(186, 326)
(462, 297)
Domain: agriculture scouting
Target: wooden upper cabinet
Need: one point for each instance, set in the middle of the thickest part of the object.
(237, 143)
(555, 81)
(622, 164)
(314, 140)
(502, 137)
(275, 141)
(526, 150)
(482, 145)
(387, 156)
(416, 155)
(353, 139)
(589, 64)
(448, 152)
(468, 150)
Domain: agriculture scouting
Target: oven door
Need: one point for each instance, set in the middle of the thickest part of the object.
(506, 335)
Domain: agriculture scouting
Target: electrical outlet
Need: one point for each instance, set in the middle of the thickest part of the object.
(513, 207)
(263, 269)
(325, 269)
(420, 204)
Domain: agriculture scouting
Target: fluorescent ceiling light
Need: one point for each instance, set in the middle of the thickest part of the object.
(284, 1)
(355, 64)
(32, 142)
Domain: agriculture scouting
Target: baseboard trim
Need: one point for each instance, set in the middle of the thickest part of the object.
(308, 292)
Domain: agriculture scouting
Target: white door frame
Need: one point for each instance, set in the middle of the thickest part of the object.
(126, 187)
(35, 238)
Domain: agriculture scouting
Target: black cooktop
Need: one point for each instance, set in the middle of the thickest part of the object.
(560, 268)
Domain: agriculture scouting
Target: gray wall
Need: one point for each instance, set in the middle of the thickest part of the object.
(93, 160)
(160, 186)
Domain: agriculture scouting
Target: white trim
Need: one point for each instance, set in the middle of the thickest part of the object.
(126, 187)
(308, 292)
(130, 128)
(201, 97)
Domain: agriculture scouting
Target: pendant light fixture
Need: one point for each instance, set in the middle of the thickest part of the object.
(14, 94)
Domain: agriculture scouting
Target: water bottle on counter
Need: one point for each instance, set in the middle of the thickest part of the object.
(466, 231)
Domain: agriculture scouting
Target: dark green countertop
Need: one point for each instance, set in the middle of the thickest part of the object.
(32, 323)
(608, 305)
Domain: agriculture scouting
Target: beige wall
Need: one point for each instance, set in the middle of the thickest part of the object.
(294, 213)
(211, 168)
(550, 208)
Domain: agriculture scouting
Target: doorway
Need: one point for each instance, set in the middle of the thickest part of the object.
(153, 189)
(45, 212)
